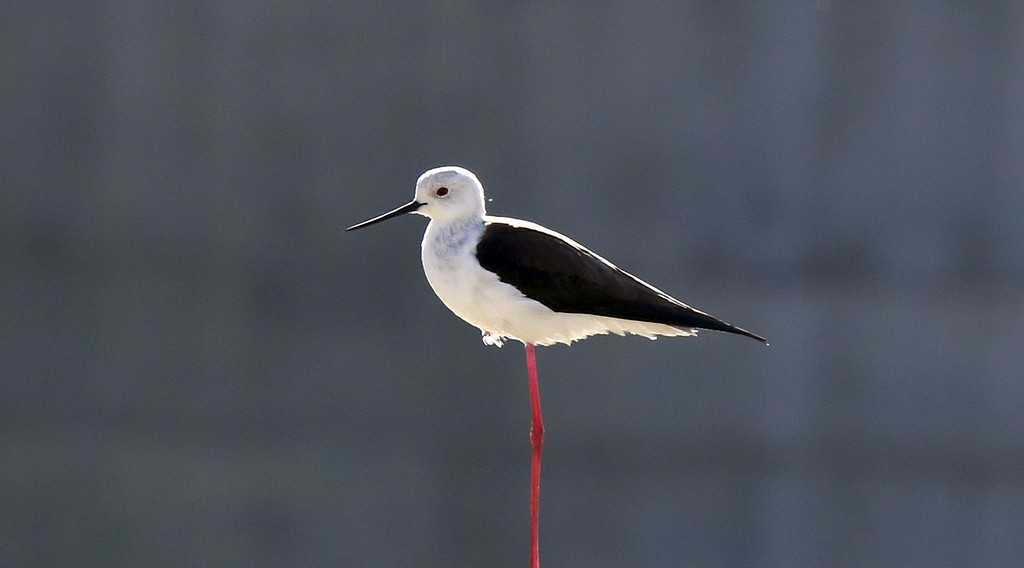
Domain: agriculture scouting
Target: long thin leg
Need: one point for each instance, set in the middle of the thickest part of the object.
(537, 441)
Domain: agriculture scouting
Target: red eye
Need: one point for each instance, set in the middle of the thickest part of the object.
(441, 191)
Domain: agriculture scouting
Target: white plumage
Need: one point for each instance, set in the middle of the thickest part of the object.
(498, 309)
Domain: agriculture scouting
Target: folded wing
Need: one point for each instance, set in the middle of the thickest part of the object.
(566, 277)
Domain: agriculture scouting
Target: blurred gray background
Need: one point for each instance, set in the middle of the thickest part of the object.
(198, 368)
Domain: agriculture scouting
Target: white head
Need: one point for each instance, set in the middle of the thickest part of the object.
(450, 193)
(444, 194)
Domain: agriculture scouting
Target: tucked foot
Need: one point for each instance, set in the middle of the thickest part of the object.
(493, 339)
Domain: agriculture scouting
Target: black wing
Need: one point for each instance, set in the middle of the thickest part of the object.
(568, 278)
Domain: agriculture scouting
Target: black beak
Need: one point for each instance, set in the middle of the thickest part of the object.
(407, 208)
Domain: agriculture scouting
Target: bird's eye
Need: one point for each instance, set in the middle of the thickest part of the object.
(441, 191)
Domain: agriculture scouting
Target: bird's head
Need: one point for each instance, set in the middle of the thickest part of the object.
(450, 193)
(444, 194)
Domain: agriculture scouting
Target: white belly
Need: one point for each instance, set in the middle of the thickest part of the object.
(499, 310)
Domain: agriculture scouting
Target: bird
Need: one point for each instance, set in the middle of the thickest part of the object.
(517, 280)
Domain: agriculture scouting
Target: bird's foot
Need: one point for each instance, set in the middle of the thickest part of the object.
(493, 339)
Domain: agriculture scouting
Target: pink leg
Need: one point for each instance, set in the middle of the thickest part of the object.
(537, 440)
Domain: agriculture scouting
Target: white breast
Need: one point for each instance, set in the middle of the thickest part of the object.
(474, 294)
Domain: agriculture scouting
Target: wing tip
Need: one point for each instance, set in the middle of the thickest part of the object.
(729, 328)
(743, 332)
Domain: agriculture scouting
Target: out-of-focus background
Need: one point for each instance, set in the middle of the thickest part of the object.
(198, 368)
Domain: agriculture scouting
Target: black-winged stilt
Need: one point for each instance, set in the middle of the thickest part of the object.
(515, 279)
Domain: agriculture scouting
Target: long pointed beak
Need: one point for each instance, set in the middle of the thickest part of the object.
(407, 208)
